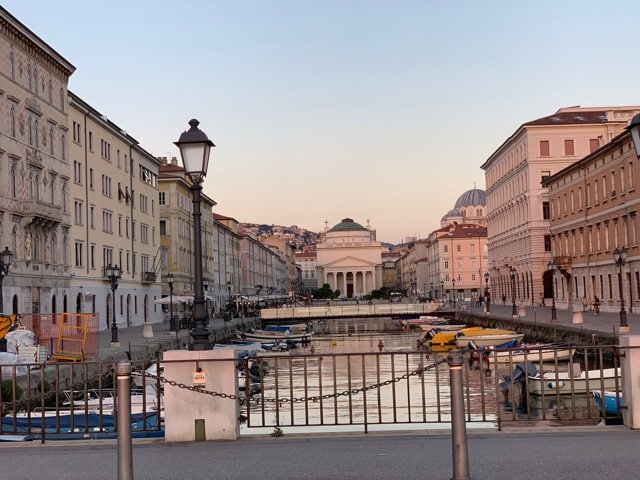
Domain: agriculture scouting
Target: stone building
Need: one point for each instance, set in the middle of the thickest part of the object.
(349, 259)
(593, 211)
(518, 213)
(114, 204)
(35, 203)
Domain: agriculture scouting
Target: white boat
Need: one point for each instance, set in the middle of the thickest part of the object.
(531, 353)
(487, 339)
(272, 334)
(564, 383)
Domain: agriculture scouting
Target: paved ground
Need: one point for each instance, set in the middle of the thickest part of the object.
(596, 453)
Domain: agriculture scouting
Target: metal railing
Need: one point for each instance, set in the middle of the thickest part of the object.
(337, 310)
(331, 390)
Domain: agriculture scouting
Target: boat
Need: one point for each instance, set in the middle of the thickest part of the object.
(276, 333)
(574, 382)
(536, 352)
(65, 422)
(609, 402)
(424, 321)
(486, 337)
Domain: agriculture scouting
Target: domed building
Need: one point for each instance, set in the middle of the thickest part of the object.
(469, 208)
(349, 259)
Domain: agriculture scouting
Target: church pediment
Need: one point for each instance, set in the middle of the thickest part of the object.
(350, 263)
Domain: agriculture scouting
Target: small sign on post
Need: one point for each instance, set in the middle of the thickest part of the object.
(199, 379)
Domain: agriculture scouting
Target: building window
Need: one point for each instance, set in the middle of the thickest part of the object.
(544, 148)
(446, 264)
(144, 233)
(547, 243)
(163, 227)
(107, 225)
(568, 148)
(76, 133)
(79, 248)
(106, 185)
(162, 198)
(546, 211)
(77, 172)
(77, 208)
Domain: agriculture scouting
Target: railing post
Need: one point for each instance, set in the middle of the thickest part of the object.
(458, 427)
(123, 421)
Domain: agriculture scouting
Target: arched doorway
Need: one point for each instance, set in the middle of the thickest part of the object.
(64, 304)
(14, 304)
(53, 304)
(129, 310)
(79, 298)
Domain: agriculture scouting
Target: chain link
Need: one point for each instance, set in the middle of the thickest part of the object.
(262, 399)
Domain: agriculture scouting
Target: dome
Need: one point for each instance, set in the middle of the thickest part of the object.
(451, 213)
(348, 225)
(472, 198)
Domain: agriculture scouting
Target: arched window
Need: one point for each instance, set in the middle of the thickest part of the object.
(14, 240)
(30, 131)
(50, 89)
(51, 152)
(65, 244)
(36, 139)
(53, 248)
(14, 180)
(12, 121)
(12, 63)
(35, 81)
(63, 149)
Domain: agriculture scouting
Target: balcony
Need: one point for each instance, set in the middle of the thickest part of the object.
(149, 277)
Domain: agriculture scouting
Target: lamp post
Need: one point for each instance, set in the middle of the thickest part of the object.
(113, 273)
(172, 321)
(258, 288)
(487, 297)
(442, 290)
(453, 291)
(6, 259)
(552, 268)
(620, 257)
(514, 312)
(228, 291)
(195, 148)
(431, 293)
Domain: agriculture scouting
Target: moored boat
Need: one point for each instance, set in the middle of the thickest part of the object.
(486, 337)
(608, 402)
(536, 353)
(567, 383)
(276, 333)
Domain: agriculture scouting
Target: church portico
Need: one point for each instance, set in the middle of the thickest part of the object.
(349, 259)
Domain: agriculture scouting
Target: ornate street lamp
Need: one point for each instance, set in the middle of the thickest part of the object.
(620, 257)
(195, 148)
(172, 321)
(228, 291)
(487, 297)
(552, 268)
(113, 273)
(512, 273)
(6, 259)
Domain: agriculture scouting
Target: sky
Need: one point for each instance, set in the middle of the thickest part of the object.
(380, 111)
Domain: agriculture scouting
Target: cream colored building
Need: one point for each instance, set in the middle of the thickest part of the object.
(306, 261)
(594, 210)
(35, 166)
(518, 213)
(113, 199)
(349, 259)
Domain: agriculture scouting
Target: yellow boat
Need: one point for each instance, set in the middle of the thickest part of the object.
(441, 341)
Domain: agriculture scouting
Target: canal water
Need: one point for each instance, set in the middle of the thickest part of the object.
(357, 374)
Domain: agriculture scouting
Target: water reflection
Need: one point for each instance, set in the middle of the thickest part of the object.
(352, 376)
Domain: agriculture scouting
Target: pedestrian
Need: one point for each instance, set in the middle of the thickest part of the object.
(596, 305)
(585, 303)
(542, 304)
(504, 299)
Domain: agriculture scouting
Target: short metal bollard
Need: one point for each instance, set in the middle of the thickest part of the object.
(455, 360)
(123, 421)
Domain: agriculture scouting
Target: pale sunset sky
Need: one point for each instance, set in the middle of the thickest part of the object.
(321, 110)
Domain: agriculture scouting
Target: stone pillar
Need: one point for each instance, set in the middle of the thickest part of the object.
(191, 415)
(630, 365)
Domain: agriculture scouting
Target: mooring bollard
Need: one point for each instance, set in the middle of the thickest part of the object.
(123, 421)
(455, 360)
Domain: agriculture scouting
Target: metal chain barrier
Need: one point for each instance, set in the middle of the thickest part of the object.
(260, 399)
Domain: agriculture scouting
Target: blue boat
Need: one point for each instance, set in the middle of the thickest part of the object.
(612, 402)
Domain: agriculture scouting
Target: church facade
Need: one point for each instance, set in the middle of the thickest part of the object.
(349, 259)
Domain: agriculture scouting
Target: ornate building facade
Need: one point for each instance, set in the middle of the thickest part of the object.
(35, 215)
(349, 259)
